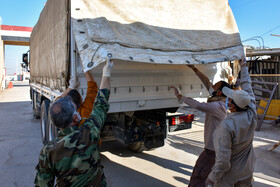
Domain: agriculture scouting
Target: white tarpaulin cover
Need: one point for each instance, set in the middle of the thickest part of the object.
(150, 31)
(155, 31)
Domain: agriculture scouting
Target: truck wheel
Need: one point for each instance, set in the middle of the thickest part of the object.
(44, 120)
(137, 147)
(30, 92)
(52, 130)
(35, 114)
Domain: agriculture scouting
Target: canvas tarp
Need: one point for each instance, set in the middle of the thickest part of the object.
(155, 31)
(150, 31)
(49, 46)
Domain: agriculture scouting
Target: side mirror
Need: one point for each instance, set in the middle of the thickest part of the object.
(25, 58)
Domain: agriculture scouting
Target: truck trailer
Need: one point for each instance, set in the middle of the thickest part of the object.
(151, 43)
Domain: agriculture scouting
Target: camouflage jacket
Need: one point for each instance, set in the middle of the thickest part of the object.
(74, 158)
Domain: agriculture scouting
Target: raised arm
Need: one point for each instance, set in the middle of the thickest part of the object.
(105, 81)
(245, 80)
(73, 83)
(92, 89)
(204, 79)
(101, 106)
(100, 109)
(88, 76)
(212, 108)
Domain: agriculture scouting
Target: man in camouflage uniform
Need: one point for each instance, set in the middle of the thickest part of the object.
(74, 157)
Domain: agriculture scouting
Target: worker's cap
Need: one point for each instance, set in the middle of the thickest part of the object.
(240, 97)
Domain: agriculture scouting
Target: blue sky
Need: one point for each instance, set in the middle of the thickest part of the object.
(253, 17)
(257, 18)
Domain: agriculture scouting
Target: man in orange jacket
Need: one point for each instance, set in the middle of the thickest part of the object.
(84, 108)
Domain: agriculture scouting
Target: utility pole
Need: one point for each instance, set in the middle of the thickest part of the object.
(17, 66)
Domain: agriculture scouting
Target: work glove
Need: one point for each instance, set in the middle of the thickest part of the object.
(107, 68)
(73, 83)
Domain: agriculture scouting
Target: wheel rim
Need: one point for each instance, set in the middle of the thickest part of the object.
(50, 132)
(43, 125)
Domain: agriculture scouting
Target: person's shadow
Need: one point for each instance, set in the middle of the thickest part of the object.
(117, 148)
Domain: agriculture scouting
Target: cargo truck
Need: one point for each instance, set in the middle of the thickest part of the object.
(150, 41)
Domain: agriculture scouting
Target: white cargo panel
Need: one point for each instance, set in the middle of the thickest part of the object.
(144, 86)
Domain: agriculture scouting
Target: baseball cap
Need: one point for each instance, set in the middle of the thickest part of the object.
(240, 97)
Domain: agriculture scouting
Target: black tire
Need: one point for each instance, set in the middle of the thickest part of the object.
(44, 120)
(137, 147)
(52, 130)
(30, 92)
(35, 113)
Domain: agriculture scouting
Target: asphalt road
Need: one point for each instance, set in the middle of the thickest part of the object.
(20, 140)
(171, 165)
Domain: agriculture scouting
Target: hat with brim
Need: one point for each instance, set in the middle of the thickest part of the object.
(240, 97)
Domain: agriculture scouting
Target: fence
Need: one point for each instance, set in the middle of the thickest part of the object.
(265, 71)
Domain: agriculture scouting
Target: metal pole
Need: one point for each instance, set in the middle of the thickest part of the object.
(274, 35)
